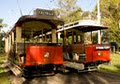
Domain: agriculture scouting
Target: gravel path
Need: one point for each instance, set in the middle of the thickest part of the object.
(71, 78)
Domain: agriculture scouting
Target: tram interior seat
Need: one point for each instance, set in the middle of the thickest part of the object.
(75, 53)
(74, 57)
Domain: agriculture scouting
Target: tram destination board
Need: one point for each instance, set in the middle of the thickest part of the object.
(44, 12)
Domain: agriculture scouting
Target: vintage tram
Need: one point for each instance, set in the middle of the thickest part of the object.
(79, 53)
(31, 48)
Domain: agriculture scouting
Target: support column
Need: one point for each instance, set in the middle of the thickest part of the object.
(65, 37)
(9, 44)
(12, 38)
(72, 37)
(45, 37)
(18, 34)
(99, 19)
(59, 37)
(54, 39)
(6, 45)
(82, 37)
(91, 37)
(76, 38)
(6, 48)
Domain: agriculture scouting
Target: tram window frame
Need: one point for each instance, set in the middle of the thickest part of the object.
(74, 39)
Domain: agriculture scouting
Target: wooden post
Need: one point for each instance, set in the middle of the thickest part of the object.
(76, 38)
(59, 37)
(6, 45)
(12, 38)
(91, 37)
(18, 34)
(45, 37)
(72, 37)
(42, 36)
(54, 39)
(6, 48)
(65, 37)
(82, 37)
(9, 44)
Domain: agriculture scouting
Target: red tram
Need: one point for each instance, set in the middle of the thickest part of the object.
(80, 51)
(30, 48)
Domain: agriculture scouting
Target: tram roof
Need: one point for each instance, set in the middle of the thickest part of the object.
(83, 25)
(47, 19)
(52, 21)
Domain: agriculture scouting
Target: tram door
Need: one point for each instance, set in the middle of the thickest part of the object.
(74, 48)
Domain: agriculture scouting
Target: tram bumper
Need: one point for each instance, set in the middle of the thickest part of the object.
(74, 65)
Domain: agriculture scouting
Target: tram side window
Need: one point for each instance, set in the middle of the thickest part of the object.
(79, 38)
(69, 40)
(75, 40)
(60, 39)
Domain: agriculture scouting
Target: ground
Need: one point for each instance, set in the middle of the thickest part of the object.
(107, 74)
(97, 77)
(4, 79)
(113, 66)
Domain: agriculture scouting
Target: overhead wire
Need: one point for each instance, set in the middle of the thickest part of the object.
(19, 8)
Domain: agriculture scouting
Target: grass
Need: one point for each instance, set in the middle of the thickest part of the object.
(3, 75)
(114, 65)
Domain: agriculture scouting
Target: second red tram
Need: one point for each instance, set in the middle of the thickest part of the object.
(81, 52)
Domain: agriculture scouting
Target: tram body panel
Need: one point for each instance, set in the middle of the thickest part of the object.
(36, 55)
(86, 55)
(96, 53)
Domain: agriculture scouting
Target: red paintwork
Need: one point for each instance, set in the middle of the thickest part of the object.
(92, 54)
(35, 55)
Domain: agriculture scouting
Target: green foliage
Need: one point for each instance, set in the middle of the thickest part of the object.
(67, 5)
(2, 25)
(1, 36)
(1, 43)
(110, 12)
(3, 74)
(87, 15)
(68, 10)
(1, 20)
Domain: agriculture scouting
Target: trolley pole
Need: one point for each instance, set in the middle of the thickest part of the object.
(99, 19)
(0, 39)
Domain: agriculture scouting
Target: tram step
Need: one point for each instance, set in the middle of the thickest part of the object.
(15, 70)
(75, 65)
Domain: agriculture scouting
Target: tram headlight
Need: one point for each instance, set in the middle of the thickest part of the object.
(47, 54)
(99, 53)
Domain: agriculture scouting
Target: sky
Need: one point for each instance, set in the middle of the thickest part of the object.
(10, 9)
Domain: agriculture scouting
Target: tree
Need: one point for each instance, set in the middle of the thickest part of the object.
(111, 17)
(1, 35)
(68, 10)
(110, 12)
(88, 15)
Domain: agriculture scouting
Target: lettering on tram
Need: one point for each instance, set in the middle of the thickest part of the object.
(44, 12)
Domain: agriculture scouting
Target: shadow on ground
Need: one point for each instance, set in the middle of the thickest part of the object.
(69, 78)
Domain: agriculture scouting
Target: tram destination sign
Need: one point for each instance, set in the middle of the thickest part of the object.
(44, 12)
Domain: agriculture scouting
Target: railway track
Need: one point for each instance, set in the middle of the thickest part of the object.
(70, 78)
